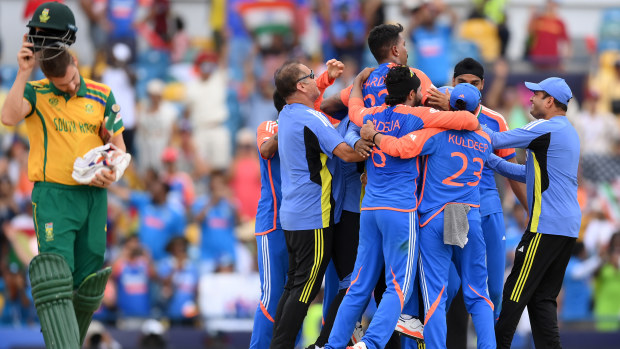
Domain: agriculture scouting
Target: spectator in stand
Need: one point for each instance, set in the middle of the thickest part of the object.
(216, 216)
(18, 309)
(548, 39)
(483, 32)
(155, 121)
(8, 206)
(208, 116)
(132, 271)
(259, 106)
(95, 12)
(432, 39)
(606, 84)
(179, 278)
(597, 130)
(120, 76)
(607, 289)
(160, 219)
(495, 11)
(18, 252)
(346, 23)
(119, 23)
(577, 297)
(180, 42)
(245, 181)
(159, 16)
(97, 337)
(181, 183)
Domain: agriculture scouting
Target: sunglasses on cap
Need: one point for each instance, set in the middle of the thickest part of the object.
(311, 76)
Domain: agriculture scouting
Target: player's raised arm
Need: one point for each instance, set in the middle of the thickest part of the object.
(15, 107)
(356, 101)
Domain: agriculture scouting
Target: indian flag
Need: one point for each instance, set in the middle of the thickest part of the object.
(268, 16)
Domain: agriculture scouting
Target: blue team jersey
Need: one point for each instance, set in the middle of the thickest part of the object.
(132, 285)
(490, 201)
(308, 170)
(158, 223)
(550, 173)
(351, 171)
(452, 169)
(267, 218)
(392, 180)
(432, 51)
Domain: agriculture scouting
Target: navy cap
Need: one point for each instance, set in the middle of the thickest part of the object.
(467, 93)
(555, 87)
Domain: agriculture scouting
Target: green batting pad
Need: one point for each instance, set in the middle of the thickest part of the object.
(52, 292)
(87, 298)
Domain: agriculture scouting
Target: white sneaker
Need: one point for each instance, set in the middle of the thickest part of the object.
(358, 345)
(358, 333)
(410, 326)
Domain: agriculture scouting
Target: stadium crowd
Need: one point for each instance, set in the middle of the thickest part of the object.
(191, 107)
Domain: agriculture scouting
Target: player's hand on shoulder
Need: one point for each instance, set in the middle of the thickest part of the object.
(335, 68)
(438, 100)
(368, 130)
(364, 74)
(364, 147)
(25, 56)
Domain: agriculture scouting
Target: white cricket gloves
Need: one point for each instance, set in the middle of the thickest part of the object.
(107, 156)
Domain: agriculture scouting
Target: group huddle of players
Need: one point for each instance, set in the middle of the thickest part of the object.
(431, 220)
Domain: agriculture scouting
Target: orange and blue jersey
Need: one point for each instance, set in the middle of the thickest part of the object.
(455, 167)
(385, 172)
(388, 236)
(374, 89)
(452, 173)
(489, 197)
(267, 218)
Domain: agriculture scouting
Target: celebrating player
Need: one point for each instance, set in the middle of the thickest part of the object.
(449, 214)
(550, 174)
(388, 206)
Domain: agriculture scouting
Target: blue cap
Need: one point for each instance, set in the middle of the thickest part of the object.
(555, 87)
(445, 89)
(467, 93)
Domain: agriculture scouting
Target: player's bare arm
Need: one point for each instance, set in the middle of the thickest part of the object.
(335, 68)
(356, 91)
(438, 100)
(333, 105)
(269, 147)
(15, 107)
(369, 133)
(348, 154)
(519, 189)
(364, 147)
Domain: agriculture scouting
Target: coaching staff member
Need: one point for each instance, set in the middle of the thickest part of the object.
(307, 142)
(550, 173)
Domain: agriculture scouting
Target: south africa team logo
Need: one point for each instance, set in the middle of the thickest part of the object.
(89, 108)
(53, 101)
(44, 17)
(49, 231)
